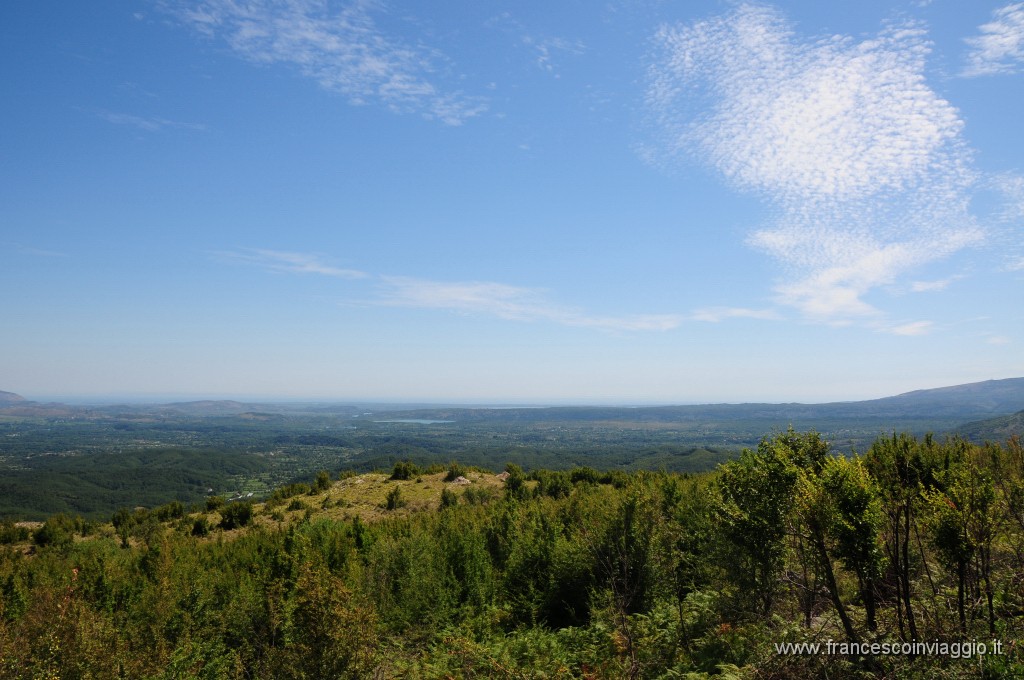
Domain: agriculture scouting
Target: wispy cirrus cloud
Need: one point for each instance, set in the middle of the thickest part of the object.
(480, 298)
(543, 48)
(912, 328)
(863, 165)
(508, 302)
(148, 123)
(932, 286)
(340, 46)
(1000, 46)
(1010, 187)
(718, 314)
(290, 262)
(38, 252)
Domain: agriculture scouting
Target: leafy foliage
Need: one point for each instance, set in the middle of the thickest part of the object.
(574, 574)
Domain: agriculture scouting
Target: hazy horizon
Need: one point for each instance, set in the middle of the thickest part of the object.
(98, 399)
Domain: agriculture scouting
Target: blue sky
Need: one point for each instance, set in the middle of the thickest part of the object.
(634, 202)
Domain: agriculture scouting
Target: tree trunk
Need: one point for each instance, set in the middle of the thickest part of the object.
(905, 575)
(833, 587)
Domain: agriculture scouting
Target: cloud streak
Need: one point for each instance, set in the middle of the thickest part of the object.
(289, 262)
(508, 302)
(477, 298)
(719, 314)
(862, 164)
(148, 123)
(999, 48)
(344, 50)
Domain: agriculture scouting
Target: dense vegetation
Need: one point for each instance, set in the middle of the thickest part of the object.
(561, 574)
(92, 468)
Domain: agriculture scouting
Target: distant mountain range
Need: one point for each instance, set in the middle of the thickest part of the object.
(977, 410)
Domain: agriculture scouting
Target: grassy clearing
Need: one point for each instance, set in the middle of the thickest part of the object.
(364, 496)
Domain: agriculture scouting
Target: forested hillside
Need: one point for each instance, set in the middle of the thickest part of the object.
(92, 460)
(455, 572)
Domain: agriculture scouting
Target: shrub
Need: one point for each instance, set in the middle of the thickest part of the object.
(173, 510)
(11, 533)
(478, 495)
(58, 531)
(322, 482)
(200, 527)
(454, 472)
(449, 499)
(404, 470)
(282, 493)
(235, 515)
(395, 500)
(214, 502)
(515, 484)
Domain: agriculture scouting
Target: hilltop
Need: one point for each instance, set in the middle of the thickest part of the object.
(7, 398)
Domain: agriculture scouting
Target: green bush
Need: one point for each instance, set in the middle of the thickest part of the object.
(395, 500)
(57, 531)
(322, 482)
(454, 472)
(11, 533)
(404, 470)
(478, 495)
(283, 493)
(449, 499)
(235, 515)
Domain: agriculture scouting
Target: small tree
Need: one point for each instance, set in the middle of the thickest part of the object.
(449, 499)
(515, 483)
(755, 499)
(395, 500)
(323, 481)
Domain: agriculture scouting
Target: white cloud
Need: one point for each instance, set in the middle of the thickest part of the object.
(932, 286)
(543, 48)
(1008, 219)
(998, 340)
(718, 314)
(1000, 47)
(508, 302)
(290, 262)
(546, 47)
(513, 303)
(861, 162)
(913, 328)
(343, 50)
(1011, 189)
